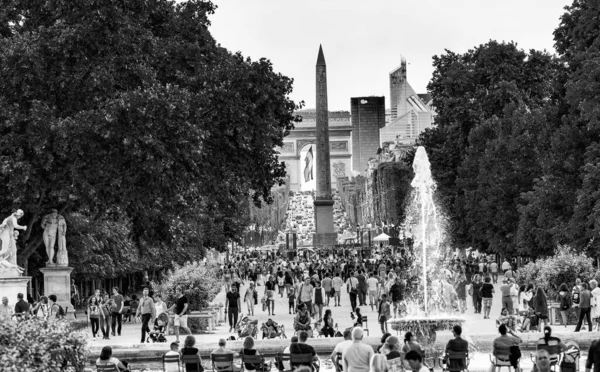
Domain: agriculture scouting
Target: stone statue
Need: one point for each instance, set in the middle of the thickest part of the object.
(7, 235)
(54, 224)
(5, 264)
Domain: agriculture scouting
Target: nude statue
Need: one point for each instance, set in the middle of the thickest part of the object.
(53, 224)
(7, 235)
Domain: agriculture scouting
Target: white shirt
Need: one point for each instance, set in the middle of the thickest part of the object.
(160, 308)
(505, 265)
(6, 311)
(372, 283)
(171, 367)
(341, 348)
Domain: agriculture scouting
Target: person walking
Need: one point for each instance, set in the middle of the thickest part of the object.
(494, 271)
(357, 356)
(181, 310)
(305, 294)
(540, 304)
(384, 313)
(373, 285)
(352, 288)
(584, 308)
(564, 300)
(507, 302)
(327, 284)
(117, 311)
(397, 295)
(487, 293)
(95, 313)
(476, 293)
(233, 307)
(249, 298)
(337, 284)
(146, 311)
(595, 301)
(362, 288)
(319, 300)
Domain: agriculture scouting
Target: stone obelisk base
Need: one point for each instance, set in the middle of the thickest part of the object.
(12, 284)
(57, 281)
(324, 223)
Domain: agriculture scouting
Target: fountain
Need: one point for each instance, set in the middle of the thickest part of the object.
(425, 323)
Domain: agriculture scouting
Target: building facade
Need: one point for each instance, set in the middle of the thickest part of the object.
(368, 117)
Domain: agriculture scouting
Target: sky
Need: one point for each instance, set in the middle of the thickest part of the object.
(364, 40)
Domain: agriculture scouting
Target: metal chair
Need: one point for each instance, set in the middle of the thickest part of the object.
(110, 367)
(455, 361)
(282, 358)
(337, 362)
(187, 360)
(304, 360)
(170, 360)
(365, 323)
(501, 358)
(258, 361)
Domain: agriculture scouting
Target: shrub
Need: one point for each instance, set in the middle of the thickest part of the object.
(564, 267)
(198, 281)
(37, 345)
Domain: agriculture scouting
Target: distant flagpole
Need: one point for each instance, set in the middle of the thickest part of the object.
(308, 168)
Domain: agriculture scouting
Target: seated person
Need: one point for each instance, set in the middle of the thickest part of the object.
(271, 329)
(356, 315)
(457, 345)
(172, 367)
(222, 350)
(415, 361)
(189, 349)
(302, 319)
(508, 341)
(285, 365)
(530, 321)
(107, 358)
(553, 345)
(301, 347)
(507, 319)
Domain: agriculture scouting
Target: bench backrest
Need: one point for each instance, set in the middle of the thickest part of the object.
(110, 367)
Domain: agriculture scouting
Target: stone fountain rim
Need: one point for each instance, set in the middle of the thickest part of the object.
(425, 319)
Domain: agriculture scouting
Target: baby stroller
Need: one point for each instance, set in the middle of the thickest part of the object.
(570, 361)
(158, 333)
(247, 327)
(271, 329)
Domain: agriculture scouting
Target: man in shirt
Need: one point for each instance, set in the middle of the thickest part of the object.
(181, 310)
(326, 283)
(286, 364)
(337, 284)
(301, 347)
(232, 307)
(305, 294)
(358, 355)
(397, 295)
(506, 265)
(6, 312)
(362, 288)
(117, 311)
(507, 302)
(494, 271)
(585, 308)
(352, 288)
(415, 361)
(222, 350)
(373, 285)
(506, 340)
(457, 344)
(21, 307)
(341, 348)
(146, 311)
(542, 361)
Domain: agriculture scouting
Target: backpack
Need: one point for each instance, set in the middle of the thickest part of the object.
(60, 314)
(485, 268)
(576, 295)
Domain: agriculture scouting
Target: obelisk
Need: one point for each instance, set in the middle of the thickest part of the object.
(323, 201)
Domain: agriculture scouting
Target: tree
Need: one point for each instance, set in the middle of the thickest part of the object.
(473, 93)
(131, 111)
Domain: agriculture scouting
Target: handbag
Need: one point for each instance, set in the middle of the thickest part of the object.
(332, 292)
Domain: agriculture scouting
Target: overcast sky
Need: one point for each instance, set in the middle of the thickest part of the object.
(363, 40)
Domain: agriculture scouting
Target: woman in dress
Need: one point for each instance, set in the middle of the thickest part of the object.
(564, 299)
(328, 324)
(540, 304)
(476, 293)
(249, 298)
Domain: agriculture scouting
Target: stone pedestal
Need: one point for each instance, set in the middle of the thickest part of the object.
(57, 281)
(12, 285)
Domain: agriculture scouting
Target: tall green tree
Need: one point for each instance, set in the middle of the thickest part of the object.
(130, 110)
(473, 93)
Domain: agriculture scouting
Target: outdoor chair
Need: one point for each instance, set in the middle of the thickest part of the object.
(501, 358)
(111, 367)
(282, 358)
(304, 360)
(396, 364)
(222, 362)
(171, 360)
(365, 323)
(337, 362)
(258, 361)
(190, 360)
(455, 361)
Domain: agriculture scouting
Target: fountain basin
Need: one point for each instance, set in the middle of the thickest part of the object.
(424, 328)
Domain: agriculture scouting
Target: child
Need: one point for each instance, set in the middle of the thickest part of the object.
(172, 367)
(530, 321)
(292, 300)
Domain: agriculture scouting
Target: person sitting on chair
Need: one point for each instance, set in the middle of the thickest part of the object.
(456, 345)
(415, 361)
(542, 361)
(508, 319)
(302, 319)
(107, 358)
(301, 347)
(507, 340)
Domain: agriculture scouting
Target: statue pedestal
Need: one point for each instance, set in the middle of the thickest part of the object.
(12, 285)
(57, 281)
(324, 223)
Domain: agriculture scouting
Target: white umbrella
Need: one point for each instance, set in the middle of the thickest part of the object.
(382, 238)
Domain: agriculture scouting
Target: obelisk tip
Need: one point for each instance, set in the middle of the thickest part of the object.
(321, 57)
